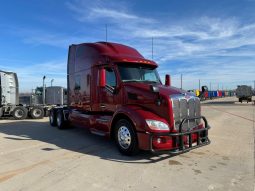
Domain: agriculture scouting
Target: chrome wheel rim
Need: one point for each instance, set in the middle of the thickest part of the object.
(19, 113)
(37, 112)
(124, 137)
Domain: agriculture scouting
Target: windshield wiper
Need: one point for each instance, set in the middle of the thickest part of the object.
(132, 80)
(146, 81)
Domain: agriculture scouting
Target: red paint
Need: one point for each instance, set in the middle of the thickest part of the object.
(206, 94)
(102, 76)
(168, 80)
(94, 105)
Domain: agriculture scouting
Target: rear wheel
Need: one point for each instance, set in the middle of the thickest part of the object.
(19, 113)
(52, 118)
(61, 123)
(126, 138)
(37, 113)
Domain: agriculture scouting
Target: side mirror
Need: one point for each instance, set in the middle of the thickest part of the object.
(102, 78)
(204, 89)
(167, 80)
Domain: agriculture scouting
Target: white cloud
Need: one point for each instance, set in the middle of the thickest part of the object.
(30, 75)
(212, 49)
(91, 11)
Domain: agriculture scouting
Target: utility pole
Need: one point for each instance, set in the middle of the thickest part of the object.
(218, 86)
(181, 81)
(210, 86)
(51, 82)
(106, 33)
(199, 84)
(44, 90)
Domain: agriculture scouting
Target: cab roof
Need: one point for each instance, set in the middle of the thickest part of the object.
(119, 52)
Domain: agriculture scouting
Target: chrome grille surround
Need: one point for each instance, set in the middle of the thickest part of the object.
(185, 106)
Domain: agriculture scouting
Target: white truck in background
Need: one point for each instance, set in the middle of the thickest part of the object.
(12, 104)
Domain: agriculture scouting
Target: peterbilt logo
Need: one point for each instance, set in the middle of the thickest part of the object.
(186, 96)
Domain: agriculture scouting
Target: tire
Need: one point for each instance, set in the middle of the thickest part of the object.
(61, 123)
(46, 113)
(52, 118)
(37, 113)
(1, 112)
(126, 138)
(19, 113)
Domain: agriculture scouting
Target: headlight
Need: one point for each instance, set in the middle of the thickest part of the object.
(157, 125)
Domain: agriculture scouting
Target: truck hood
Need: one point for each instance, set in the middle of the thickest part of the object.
(136, 87)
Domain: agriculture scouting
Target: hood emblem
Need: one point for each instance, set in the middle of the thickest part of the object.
(186, 95)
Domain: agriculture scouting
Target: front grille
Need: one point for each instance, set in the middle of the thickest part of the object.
(185, 106)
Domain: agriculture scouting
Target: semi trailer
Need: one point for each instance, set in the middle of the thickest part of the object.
(21, 106)
(114, 91)
(9, 99)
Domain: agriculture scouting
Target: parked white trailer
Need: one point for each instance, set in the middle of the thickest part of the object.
(9, 99)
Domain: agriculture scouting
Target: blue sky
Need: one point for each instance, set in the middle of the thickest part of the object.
(210, 40)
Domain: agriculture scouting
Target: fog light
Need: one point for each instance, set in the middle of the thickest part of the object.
(158, 140)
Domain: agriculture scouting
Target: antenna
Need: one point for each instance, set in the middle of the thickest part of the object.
(106, 33)
(152, 48)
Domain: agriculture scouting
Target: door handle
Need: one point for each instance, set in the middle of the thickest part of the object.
(102, 106)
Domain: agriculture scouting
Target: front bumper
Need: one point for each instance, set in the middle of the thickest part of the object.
(183, 141)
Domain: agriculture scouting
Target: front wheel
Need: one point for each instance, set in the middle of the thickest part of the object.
(126, 138)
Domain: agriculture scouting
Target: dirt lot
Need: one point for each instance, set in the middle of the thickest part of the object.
(35, 156)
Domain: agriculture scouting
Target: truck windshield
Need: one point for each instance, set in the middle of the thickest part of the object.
(138, 73)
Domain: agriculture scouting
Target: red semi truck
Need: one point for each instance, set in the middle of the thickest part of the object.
(115, 92)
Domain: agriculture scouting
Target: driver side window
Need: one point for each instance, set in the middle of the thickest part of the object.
(110, 77)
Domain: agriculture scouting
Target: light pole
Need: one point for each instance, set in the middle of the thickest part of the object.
(51, 82)
(181, 81)
(44, 77)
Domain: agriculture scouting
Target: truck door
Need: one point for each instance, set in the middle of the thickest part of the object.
(107, 95)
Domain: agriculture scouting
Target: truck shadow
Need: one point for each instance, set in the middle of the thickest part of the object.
(74, 139)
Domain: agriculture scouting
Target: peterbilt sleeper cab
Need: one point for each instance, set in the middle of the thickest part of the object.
(114, 91)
